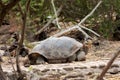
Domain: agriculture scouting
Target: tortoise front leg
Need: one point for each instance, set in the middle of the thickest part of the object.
(81, 56)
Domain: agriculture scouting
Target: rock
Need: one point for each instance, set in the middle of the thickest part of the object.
(101, 66)
(93, 66)
(45, 70)
(62, 72)
(68, 68)
(74, 75)
(89, 73)
(80, 67)
(113, 71)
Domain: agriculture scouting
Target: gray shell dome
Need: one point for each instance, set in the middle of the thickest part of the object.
(57, 47)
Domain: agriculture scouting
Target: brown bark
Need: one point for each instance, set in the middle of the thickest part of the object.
(24, 17)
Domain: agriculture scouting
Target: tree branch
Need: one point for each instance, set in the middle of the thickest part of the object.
(20, 9)
(84, 33)
(27, 5)
(90, 30)
(63, 32)
(70, 29)
(79, 24)
(55, 14)
(24, 17)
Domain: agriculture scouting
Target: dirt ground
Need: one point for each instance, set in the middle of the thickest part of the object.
(104, 51)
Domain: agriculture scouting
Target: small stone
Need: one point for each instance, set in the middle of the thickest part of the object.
(89, 73)
(101, 66)
(68, 68)
(62, 72)
(78, 78)
(43, 78)
(74, 75)
(53, 69)
(83, 67)
(113, 71)
(45, 70)
(93, 66)
(76, 67)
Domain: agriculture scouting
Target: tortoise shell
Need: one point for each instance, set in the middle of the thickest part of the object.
(57, 47)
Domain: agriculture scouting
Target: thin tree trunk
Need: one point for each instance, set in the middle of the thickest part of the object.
(24, 17)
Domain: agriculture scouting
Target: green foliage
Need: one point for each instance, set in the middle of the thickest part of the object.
(108, 11)
(73, 11)
(106, 29)
(5, 1)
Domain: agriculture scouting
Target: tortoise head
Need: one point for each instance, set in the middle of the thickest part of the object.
(86, 45)
(33, 57)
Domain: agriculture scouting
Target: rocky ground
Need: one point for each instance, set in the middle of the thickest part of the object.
(97, 58)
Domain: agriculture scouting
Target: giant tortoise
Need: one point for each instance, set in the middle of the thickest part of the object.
(57, 50)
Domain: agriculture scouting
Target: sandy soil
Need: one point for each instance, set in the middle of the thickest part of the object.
(104, 51)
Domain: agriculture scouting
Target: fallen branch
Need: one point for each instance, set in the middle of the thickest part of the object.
(80, 26)
(63, 32)
(100, 77)
(50, 21)
(86, 35)
(90, 30)
(70, 29)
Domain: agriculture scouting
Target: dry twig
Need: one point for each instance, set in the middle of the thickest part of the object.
(80, 26)
(55, 14)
